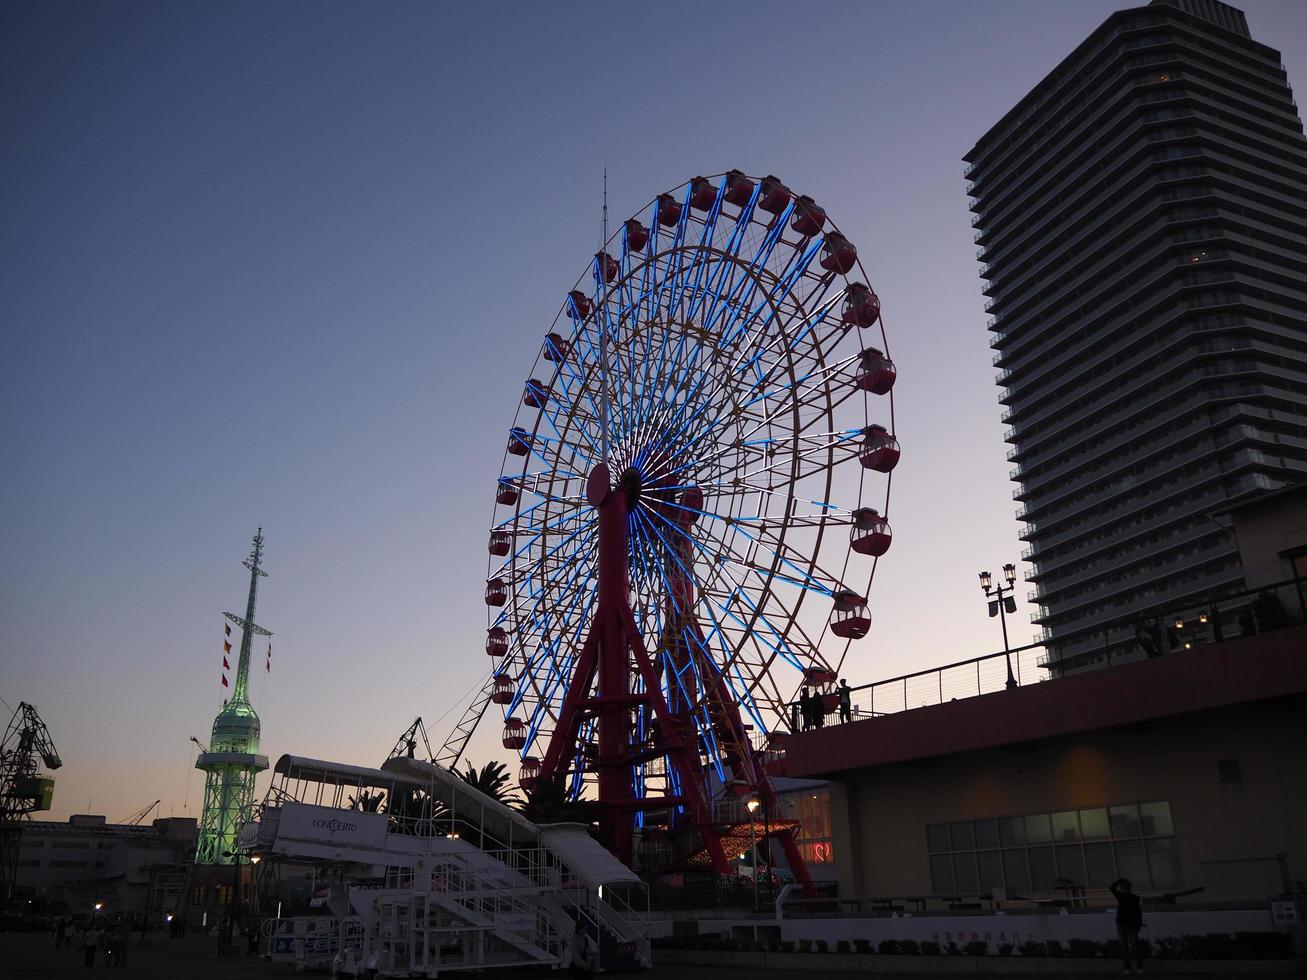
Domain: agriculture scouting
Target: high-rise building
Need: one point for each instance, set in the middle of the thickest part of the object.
(1142, 222)
(232, 760)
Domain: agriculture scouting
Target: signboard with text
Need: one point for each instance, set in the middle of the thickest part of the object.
(326, 825)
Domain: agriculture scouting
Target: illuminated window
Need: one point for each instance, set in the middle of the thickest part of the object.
(814, 837)
(1089, 848)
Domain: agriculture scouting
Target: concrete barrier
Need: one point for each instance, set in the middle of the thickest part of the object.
(802, 964)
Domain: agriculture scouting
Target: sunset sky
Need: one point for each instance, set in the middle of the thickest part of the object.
(289, 264)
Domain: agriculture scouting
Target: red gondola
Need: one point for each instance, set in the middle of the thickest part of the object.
(500, 540)
(774, 195)
(876, 372)
(514, 733)
(880, 450)
(529, 773)
(702, 194)
(519, 441)
(850, 621)
(861, 305)
(739, 189)
(838, 254)
(503, 692)
(669, 210)
(534, 396)
(496, 638)
(818, 677)
(506, 494)
(809, 216)
(496, 592)
(556, 348)
(580, 306)
(871, 534)
(608, 265)
(637, 235)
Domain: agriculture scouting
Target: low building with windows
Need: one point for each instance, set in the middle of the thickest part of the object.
(86, 861)
(1181, 772)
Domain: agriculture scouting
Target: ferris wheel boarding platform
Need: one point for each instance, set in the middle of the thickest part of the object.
(430, 875)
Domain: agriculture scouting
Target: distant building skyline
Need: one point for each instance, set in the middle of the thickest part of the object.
(1140, 217)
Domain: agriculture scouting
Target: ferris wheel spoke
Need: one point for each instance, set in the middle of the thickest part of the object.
(526, 540)
(553, 416)
(761, 381)
(743, 689)
(717, 365)
(798, 577)
(743, 222)
(757, 266)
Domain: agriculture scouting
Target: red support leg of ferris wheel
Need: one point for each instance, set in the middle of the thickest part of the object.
(612, 648)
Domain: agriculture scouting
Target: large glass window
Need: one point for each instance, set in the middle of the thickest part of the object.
(814, 838)
(1093, 823)
(1043, 852)
(941, 874)
(1066, 826)
(986, 833)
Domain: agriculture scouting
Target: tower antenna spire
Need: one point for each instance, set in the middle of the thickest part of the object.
(601, 321)
(232, 760)
(248, 628)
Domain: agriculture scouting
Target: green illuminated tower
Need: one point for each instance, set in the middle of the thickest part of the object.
(232, 761)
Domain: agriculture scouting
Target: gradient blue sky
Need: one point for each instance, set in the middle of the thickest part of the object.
(288, 264)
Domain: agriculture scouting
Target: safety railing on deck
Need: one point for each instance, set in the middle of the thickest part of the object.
(1151, 632)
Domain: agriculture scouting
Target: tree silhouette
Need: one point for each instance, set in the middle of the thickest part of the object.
(494, 780)
(548, 801)
(368, 801)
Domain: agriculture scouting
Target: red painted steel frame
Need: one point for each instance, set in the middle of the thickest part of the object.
(612, 646)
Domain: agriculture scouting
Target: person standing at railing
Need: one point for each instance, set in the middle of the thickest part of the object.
(805, 707)
(846, 701)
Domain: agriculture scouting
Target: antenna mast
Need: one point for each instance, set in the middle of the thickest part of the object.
(601, 282)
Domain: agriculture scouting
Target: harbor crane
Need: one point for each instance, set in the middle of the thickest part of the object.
(24, 787)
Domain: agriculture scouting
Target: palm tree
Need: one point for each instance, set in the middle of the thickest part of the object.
(549, 802)
(494, 780)
(368, 801)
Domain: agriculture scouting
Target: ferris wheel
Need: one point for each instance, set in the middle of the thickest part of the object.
(693, 499)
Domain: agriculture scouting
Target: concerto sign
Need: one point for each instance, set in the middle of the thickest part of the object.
(326, 825)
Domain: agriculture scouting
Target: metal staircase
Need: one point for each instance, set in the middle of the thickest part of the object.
(423, 900)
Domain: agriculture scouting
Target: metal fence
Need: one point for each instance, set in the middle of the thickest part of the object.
(1156, 632)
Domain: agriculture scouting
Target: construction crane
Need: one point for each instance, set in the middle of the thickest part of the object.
(406, 746)
(137, 818)
(24, 788)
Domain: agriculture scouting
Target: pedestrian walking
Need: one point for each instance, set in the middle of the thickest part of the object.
(1129, 920)
(90, 943)
(122, 937)
(846, 701)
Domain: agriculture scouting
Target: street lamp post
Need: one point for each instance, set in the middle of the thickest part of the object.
(752, 807)
(1001, 601)
(234, 905)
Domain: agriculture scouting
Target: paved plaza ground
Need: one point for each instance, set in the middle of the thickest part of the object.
(29, 956)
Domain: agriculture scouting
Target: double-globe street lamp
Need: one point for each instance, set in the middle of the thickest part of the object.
(752, 806)
(1002, 602)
